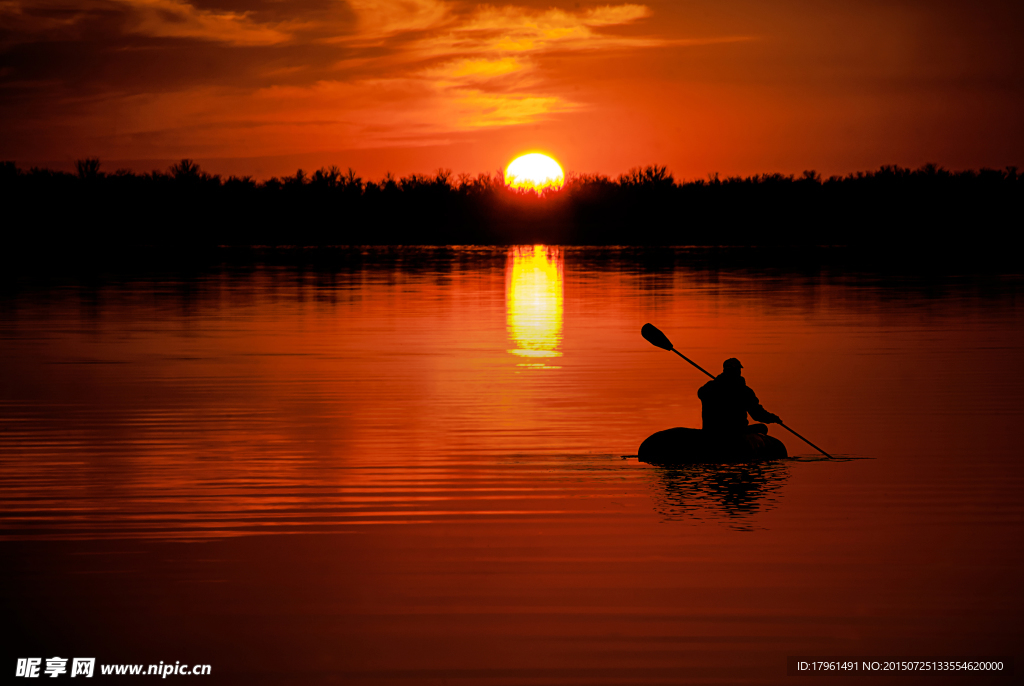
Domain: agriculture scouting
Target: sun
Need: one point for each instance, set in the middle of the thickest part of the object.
(534, 172)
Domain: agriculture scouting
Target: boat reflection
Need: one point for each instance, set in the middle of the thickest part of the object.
(729, 493)
(533, 303)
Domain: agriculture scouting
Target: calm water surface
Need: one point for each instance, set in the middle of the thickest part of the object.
(409, 469)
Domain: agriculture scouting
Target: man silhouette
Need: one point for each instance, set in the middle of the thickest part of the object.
(726, 400)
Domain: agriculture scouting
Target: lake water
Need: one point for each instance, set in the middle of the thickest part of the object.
(407, 466)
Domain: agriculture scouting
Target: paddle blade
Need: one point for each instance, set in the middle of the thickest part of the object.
(654, 336)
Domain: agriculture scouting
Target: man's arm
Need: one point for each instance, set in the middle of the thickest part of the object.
(760, 414)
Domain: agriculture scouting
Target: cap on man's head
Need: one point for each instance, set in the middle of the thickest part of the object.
(732, 362)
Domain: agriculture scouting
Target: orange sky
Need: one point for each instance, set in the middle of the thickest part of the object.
(263, 87)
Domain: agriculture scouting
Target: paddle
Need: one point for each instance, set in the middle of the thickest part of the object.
(655, 337)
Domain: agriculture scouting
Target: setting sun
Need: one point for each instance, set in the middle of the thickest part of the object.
(534, 171)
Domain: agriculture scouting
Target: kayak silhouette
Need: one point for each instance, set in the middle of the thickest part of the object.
(726, 436)
(682, 445)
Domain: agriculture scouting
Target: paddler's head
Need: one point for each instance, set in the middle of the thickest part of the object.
(731, 367)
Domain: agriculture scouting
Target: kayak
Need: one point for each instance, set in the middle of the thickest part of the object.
(695, 446)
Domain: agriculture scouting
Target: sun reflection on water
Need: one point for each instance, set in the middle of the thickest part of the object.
(533, 302)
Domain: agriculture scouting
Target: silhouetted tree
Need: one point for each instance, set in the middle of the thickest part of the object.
(88, 169)
(892, 210)
(186, 170)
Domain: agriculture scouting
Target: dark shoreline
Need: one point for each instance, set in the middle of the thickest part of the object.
(924, 220)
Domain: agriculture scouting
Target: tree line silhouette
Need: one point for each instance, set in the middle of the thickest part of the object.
(924, 212)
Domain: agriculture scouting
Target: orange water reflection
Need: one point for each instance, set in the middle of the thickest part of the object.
(470, 520)
(534, 302)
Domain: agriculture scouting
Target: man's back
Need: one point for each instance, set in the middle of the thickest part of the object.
(726, 400)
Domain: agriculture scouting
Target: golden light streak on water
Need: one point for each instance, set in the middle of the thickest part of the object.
(534, 302)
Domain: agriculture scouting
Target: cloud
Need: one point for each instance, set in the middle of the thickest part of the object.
(480, 68)
(23, 21)
(610, 15)
(475, 69)
(51, 20)
(519, 29)
(317, 75)
(514, 29)
(378, 19)
(174, 19)
(482, 92)
(476, 109)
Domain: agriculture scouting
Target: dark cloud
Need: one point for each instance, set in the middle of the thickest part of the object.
(267, 76)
